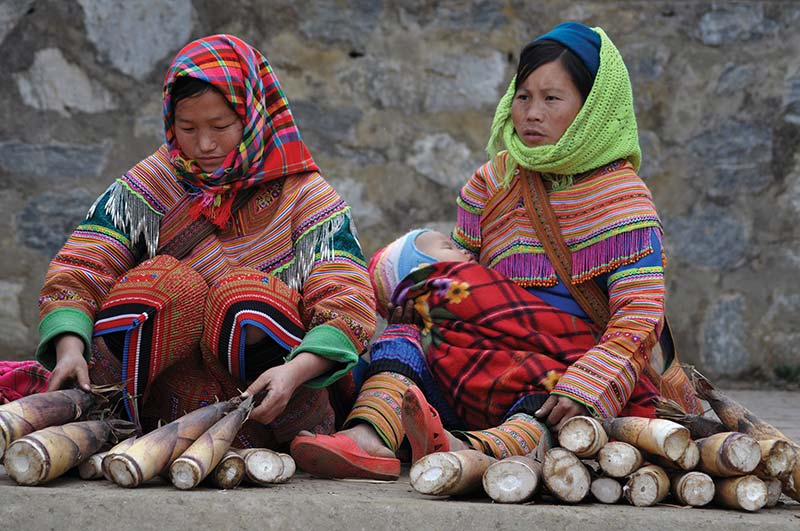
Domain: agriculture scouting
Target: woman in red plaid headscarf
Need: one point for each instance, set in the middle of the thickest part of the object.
(224, 261)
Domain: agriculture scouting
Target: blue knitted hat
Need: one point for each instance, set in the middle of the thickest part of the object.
(581, 40)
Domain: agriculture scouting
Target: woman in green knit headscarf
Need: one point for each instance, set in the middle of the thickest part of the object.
(567, 120)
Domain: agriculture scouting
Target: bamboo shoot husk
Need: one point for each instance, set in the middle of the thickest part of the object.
(583, 436)
(515, 479)
(153, 453)
(647, 486)
(619, 459)
(699, 426)
(747, 493)
(197, 462)
(732, 414)
(777, 459)
(34, 412)
(606, 490)
(45, 454)
(655, 436)
(693, 488)
(728, 454)
(229, 473)
(566, 477)
(774, 488)
(450, 473)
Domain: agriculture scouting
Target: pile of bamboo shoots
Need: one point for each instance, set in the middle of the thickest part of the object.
(43, 436)
(739, 462)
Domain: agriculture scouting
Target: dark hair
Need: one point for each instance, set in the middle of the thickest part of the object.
(188, 87)
(546, 51)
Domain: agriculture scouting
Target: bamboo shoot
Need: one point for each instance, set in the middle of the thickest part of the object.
(774, 488)
(647, 486)
(515, 479)
(450, 473)
(566, 477)
(656, 436)
(728, 454)
(606, 490)
(229, 473)
(583, 436)
(747, 493)
(777, 459)
(693, 488)
(619, 459)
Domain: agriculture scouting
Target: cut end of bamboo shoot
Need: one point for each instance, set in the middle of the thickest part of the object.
(566, 476)
(26, 462)
(124, 471)
(512, 480)
(693, 488)
(583, 436)
(289, 468)
(647, 486)
(229, 472)
(606, 490)
(618, 459)
(185, 473)
(774, 488)
(435, 473)
(778, 458)
(264, 467)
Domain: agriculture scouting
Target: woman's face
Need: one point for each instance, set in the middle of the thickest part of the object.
(207, 129)
(545, 105)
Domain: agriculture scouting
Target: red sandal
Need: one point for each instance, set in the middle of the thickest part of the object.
(339, 457)
(422, 425)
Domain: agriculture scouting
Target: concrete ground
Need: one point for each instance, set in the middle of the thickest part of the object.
(310, 503)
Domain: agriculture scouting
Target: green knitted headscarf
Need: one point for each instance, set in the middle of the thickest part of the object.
(603, 131)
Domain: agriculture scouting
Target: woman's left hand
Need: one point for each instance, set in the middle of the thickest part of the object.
(556, 410)
(280, 383)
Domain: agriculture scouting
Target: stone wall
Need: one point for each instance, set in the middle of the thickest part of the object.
(395, 101)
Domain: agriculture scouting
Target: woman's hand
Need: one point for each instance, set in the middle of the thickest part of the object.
(282, 381)
(404, 314)
(559, 409)
(70, 363)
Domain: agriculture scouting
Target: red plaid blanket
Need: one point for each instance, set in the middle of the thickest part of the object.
(21, 378)
(489, 342)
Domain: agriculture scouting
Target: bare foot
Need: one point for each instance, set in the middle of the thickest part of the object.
(364, 436)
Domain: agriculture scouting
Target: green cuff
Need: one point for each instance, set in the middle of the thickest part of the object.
(59, 322)
(331, 343)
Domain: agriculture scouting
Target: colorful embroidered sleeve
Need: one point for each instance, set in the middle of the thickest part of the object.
(603, 379)
(471, 200)
(79, 277)
(338, 304)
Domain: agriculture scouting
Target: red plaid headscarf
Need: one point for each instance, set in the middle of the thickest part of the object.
(271, 146)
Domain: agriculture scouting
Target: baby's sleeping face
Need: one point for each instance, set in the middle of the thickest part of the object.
(439, 246)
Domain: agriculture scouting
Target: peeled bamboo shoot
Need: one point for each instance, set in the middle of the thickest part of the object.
(262, 466)
(687, 461)
(777, 459)
(34, 412)
(774, 488)
(606, 490)
(153, 453)
(197, 462)
(619, 459)
(515, 479)
(647, 486)
(565, 475)
(229, 473)
(583, 436)
(744, 492)
(693, 488)
(450, 473)
(92, 468)
(728, 454)
(45, 454)
(656, 436)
